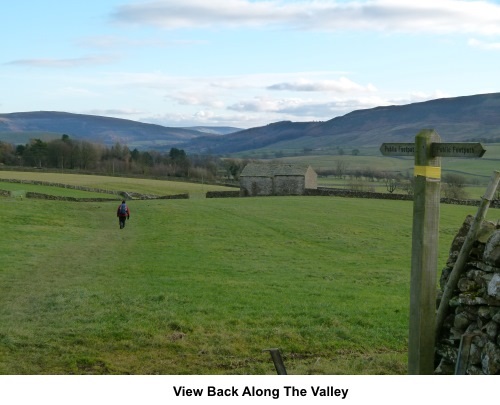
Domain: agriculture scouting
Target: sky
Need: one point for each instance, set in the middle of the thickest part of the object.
(242, 63)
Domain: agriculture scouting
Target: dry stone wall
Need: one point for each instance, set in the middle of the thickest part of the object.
(337, 192)
(222, 194)
(120, 194)
(42, 196)
(61, 185)
(475, 305)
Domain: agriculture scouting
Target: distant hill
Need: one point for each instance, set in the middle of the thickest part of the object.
(215, 130)
(455, 119)
(21, 127)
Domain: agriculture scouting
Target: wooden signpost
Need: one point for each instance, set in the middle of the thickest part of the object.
(465, 149)
(427, 150)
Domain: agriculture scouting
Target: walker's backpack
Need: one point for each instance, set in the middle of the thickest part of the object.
(123, 209)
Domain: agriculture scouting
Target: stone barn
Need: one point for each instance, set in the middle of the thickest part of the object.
(261, 179)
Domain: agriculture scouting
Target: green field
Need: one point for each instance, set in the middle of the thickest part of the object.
(18, 190)
(476, 171)
(145, 186)
(203, 286)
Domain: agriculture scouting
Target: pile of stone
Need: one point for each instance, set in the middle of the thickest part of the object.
(475, 305)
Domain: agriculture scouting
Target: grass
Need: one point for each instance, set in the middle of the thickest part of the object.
(473, 192)
(202, 286)
(158, 187)
(476, 170)
(20, 191)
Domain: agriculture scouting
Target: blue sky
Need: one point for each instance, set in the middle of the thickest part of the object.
(243, 63)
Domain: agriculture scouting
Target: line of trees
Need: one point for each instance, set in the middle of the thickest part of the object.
(69, 154)
(453, 185)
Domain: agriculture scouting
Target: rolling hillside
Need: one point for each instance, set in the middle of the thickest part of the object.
(455, 119)
(21, 127)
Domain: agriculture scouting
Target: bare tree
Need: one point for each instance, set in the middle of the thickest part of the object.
(407, 185)
(341, 167)
(391, 183)
(454, 186)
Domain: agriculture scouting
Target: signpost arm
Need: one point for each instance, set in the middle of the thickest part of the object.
(421, 338)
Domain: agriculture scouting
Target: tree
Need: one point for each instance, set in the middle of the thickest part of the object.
(7, 154)
(407, 185)
(177, 155)
(135, 155)
(88, 154)
(359, 185)
(36, 153)
(233, 168)
(179, 162)
(454, 186)
(61, 153)
(391, 185)
(341, 168)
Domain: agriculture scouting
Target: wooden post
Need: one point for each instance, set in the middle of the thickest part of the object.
(427, 150)
(421, 338)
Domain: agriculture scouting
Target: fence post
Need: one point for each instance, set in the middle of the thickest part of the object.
(277, 360)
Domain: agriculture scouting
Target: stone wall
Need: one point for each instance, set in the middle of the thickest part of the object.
(61, 185)
(222, 194)
(41, 196)
(127, 195)
(174, 197)
(337, 192)
(475, 304)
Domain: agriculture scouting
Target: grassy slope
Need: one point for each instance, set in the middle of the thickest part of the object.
(158, 187)
(202, 286)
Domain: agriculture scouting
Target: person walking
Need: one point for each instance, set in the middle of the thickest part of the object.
(123, 213)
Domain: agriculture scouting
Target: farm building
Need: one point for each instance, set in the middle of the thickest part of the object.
(259, 179)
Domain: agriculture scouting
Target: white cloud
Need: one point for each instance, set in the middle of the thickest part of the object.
(262, 110)
(206, 117)
(265, 104)
(342, 85)
(197, 98)
(314, 109)
(198, 13)
(443, 16)
(65, 63)
(487, 46)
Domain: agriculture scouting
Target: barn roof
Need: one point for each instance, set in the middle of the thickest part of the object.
(274, 169)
